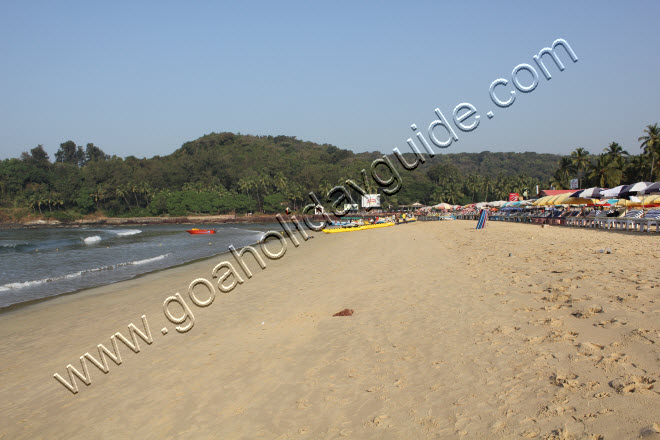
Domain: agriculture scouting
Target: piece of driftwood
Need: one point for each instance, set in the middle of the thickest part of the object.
(345, 312)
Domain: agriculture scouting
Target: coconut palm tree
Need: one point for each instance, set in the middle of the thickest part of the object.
(98, 195)
(636, 168)
(472, 184)
(487, 184)
(651, 144)
(121, 191)
(605, 171)
(615, 150)
(580, 160)
(617, 153)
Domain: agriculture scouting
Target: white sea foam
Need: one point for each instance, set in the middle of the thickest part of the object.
(91, 240)
(12, 245)
(23, 284)
(250, 231)
(125, 232)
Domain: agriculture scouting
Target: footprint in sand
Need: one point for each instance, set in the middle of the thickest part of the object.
(589, 348)
(558, 297)
(610, 323)
(591, 311)
(641, 335)
(632, 384)
(565, 380)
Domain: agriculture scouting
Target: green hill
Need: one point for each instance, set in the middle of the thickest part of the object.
(226, 172)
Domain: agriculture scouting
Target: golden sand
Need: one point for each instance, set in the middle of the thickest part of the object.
(450, 338)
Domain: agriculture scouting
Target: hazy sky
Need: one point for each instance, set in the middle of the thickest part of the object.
(143, 77)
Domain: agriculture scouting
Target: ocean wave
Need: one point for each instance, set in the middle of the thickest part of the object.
(125, 232)
(23, 284)
(13, 245)
(250, 231)
(92, 239)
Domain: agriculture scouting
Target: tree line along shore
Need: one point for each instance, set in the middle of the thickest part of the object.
(234, 174)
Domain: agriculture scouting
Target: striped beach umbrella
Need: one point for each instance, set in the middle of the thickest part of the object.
(613, 193)
(651, 189)
(590, 193)
(634, 189)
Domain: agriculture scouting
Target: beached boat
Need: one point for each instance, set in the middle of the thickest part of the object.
(357, 228)
(200, 231)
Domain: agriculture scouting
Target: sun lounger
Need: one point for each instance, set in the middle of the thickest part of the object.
(648, 220)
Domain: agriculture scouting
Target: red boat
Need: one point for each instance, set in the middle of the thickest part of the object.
(200, 231)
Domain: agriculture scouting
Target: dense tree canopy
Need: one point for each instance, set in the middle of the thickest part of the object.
(226, 172)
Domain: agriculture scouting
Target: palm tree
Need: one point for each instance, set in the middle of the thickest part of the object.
(246, 184)
(617, 153)
(487, 184)
(98, 195)
(450, 192)
(636, 168)
(473, 183)
(121, 191)
(281, 182)
(135, 189)
(615, 150)
(580, 160)
(605, 171)
(558, 181)
(565, 168)
(651, 143)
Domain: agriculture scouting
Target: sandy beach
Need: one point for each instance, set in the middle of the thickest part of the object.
(514, 331)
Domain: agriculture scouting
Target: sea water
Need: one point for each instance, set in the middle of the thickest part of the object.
(45, 262)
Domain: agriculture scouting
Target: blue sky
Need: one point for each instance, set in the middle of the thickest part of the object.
(141, 78)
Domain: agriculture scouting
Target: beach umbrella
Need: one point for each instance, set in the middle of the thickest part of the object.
(539, 202)
(591, 193)
(651, 189)
(559, 200)
(578, 201)
(550, 200)
(497, 204)
(634, 189)
(613, 193)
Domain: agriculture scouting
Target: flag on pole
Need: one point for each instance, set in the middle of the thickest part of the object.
(483, 218)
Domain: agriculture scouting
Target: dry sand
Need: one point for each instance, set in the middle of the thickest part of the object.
(451, 338)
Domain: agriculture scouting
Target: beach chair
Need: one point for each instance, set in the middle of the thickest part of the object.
(651, 218)
(557, 217)
(628, 220)
(601, 220)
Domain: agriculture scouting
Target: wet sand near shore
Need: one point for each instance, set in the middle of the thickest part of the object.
(514, 331)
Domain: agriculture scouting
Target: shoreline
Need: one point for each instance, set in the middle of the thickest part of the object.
(132, 221)
(181, 220)
(20, 305)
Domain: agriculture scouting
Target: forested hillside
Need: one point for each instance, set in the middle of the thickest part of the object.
(226, 172)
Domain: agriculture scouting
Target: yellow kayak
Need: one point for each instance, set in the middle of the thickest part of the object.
(357, 228)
